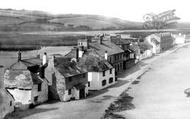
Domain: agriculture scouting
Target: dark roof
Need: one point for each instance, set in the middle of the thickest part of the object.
(93, 62)
(108, 46)
(67, 67)
(22, 79)
(134, 46)
(121, 41)
(25, 63)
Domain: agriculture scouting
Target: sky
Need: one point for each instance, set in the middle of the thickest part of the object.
(132, 10)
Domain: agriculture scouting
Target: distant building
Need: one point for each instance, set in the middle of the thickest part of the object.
(101, 74)
(179, 38)
(166, 42)
(115, 55)
(26, 82)
(68, 81)
(129, 48)
(154, 40)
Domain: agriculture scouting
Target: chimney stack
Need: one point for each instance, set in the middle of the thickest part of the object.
(106, 55)
(44, 60)
(19, 56)
(81, 51)
(77, 54)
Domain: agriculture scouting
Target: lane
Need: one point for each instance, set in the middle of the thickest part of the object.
(160, 93)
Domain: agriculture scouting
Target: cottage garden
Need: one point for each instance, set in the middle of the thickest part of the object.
(94, 64)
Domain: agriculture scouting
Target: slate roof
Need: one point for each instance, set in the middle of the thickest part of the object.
(22, 79)
(25, 63)
(121, 42)
(18, 75)
(67, 67)
(108, 46)
(93, 62)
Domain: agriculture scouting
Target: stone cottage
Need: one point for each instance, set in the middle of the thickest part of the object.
(68, 81)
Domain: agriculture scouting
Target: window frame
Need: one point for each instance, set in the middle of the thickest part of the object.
(111, 71)
(110, 80)
(104, 82)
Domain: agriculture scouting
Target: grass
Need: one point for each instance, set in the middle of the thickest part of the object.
(124, 102)
(17, 41)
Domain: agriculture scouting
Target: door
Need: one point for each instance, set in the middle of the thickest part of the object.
(82, 93)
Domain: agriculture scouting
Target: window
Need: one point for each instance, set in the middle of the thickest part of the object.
(70, 79)
(35, 98)
(103, 73)
(88, 84)
(111, 80)
(103, 82)
(39, 87)
(11, 103)
(110, 71)
(69, 92)
(83, 75)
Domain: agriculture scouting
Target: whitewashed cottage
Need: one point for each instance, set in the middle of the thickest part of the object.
(26, 82)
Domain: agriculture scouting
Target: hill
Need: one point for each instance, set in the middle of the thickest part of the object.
(24, 20)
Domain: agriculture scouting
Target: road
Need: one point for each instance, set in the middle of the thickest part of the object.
(94, 106)
(160, 92)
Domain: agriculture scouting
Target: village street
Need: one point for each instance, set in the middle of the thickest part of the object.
(159, 93)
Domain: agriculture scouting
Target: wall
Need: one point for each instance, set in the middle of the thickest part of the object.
(21, 96)
(42, 95)
(5, 105)
(96, 79)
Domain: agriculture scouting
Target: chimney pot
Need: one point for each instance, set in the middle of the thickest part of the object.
(106, 55)
(77, 54)
(19, 55)
(44, 60)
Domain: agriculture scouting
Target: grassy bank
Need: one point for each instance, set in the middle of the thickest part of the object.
(16, 41)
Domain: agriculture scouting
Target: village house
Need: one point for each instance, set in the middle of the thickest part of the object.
(68, 81)
(6, 99)
(115, 55)
(101, 74)
(129, 50)
(146, 50)
(26, 82)
(166, 42)
(154, 41)
(179, 38)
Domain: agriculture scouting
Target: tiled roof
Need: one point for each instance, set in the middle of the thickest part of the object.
(67, 67)
(23, 79)
(93, 62)
(108, 46)
(25, 63)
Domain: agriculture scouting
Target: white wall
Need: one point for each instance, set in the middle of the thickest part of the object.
(21, 96)
(96, 78)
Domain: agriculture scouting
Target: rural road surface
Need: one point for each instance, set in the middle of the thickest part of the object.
(160, 92)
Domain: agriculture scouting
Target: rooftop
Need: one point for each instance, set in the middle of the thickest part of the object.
(108, 46)
(67, 67)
